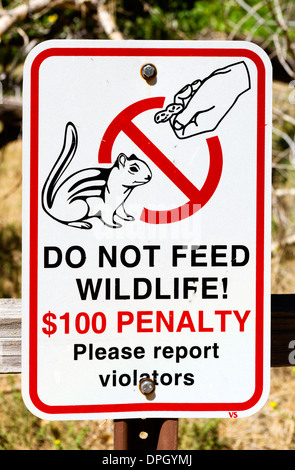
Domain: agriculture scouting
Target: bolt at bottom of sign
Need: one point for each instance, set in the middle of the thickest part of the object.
(147, 386)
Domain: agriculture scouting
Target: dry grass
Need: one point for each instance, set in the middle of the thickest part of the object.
(273, 427)
(10, 184)
(10, 219)
(20, 430)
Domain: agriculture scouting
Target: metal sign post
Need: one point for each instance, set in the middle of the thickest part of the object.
(147, 434)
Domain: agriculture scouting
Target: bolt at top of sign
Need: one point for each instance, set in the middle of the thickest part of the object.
(148, 71)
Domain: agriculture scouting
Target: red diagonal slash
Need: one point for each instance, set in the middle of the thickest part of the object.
(197, 198)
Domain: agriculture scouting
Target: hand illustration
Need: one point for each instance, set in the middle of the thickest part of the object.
(200, 106)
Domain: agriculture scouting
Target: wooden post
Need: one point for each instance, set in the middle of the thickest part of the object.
(150, 433)
(146, 434)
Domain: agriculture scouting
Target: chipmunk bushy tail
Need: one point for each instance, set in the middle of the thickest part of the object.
(67, 153)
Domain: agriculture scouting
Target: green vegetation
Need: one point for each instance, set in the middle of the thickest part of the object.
(20, 430)
(10, 261)
(265, 22)
(202, 434)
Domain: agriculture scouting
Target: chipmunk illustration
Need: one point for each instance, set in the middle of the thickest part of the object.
(91, 192)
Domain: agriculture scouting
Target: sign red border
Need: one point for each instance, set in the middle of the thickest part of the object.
(33, 290)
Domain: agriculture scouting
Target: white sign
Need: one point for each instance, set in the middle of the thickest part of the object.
(146, 214)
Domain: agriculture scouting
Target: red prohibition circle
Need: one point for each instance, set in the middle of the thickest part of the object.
(196, 198)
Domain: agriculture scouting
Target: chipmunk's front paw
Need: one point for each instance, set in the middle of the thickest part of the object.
(120, 212)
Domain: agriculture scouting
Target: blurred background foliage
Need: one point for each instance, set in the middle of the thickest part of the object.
(270, 23)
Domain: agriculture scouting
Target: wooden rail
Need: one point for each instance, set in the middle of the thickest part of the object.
(10, 335)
